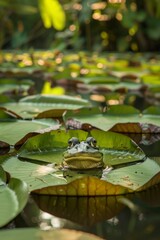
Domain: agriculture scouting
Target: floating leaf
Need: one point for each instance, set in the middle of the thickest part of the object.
(35, 175)
(19, 86)
(127, 128)
(106, 120)
(119, 181)
(49, 147)
(135, 128)
(13, 131)
(4, 147)
(3, 177)
(151, 79)
(13, 198)
(152, 110)
(100, 79)
(4, 99)
(35, 234)
(122, 110)
(121, 118)
(32, 106)
(118, 150)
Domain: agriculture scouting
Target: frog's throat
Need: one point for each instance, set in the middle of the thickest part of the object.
(83, 160)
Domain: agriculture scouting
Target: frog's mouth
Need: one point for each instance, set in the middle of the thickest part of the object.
(83, 160)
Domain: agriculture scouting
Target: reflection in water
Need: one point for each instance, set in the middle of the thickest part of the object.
(132, 216)
(109, 217)
(48, 221)
(82, 210)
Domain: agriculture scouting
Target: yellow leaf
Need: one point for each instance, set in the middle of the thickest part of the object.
(87, 186)
(52, 14)
(47, 89)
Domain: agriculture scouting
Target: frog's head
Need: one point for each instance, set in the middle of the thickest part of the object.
(82, 155)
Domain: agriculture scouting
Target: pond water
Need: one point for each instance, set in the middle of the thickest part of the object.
(132, 216)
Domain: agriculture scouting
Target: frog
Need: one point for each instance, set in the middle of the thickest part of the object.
(82, 154)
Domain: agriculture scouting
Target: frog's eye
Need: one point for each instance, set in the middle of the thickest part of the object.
(73, 141)
(91, 141)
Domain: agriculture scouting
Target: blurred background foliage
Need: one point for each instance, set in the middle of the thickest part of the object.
(97, 25)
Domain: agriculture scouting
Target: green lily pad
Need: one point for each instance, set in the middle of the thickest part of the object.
(13, 131)
(119, 151)
(32, 106)
(134, 176)
(4, 98)
(151, 79)
(49, 147)
(151, 111)
(116, 114)
(3, 177)
(124, 180)
(105, 121)
(122, 110)
(13, 197)
(7, 85)
(100, 79)
(35, 234)
(35, 175)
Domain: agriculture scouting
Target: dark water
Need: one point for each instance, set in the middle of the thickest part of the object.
(132, 216)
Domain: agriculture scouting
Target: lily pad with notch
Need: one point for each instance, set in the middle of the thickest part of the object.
(13, 197)
(130, 171)
(16, 132)
(33, 106)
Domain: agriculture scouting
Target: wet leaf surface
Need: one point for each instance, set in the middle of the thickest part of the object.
(14, 196)
(35, 234)
(11, 86)
(17, 131)
(115, 92)
(115, 182)
(119, 152)
(124, 119)
(49, 147)
(31, 107)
